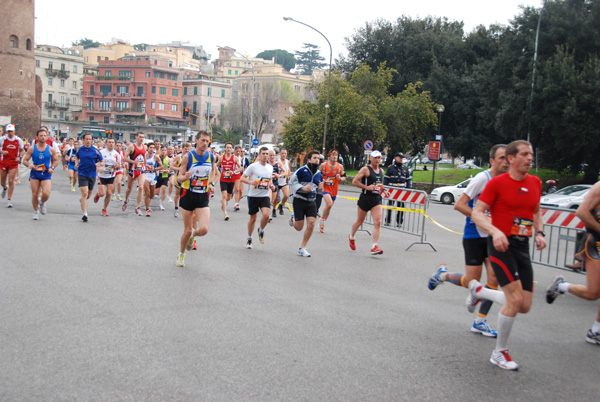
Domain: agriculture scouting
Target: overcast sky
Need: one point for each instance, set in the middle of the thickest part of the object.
(248, 26)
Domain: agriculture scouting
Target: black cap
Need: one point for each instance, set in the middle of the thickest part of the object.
(399, 154)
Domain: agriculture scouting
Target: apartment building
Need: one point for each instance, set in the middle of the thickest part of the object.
(206, 96)
(61, 73)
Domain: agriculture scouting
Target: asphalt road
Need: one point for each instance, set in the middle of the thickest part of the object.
(99, 311)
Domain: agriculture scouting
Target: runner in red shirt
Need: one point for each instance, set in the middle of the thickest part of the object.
(135, 157)
(333, 173)
(12, 150)
(513, 199)
(230, 165)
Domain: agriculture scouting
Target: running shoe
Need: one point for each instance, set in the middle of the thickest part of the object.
(3, 192)
(96, 198)
(552, 292)
(249, 243)
(161, 208)
(36, 216)
(226, 217)
(280, 209)
(112, 197)
(351, 243)
(73, 189)
(322, 226)
(484, 329)
(84, 218)
(176, 213)
(138, 211)
(180, 260)
(170, 200)
(503, 360)
(261, 236)
(194, 247)
(119, 197)
(274, 214)
(593, 337)
(472, 299)
(291, 221)
(104, 212)
(376, 250)
(124, 207)
(190, 243)
(43, 208)
(236, 207)
(303, 253)
(9, 204)
(17, 180)
(148, 213)
(436, 278)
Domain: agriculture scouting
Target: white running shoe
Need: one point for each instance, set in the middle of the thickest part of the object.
(3, 192)
(176, 213)
(161, 208)
(9, 204)
(180, 262)
(170, 200)
(472, 299)
(43, 208)
(36, 216)
(119, 197)
(303, 253)
(503, 360)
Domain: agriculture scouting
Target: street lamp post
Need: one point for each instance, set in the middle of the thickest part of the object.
(328, 82)
(252, 96)
(440, 110)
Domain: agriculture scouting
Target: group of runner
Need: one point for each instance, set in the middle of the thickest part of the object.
(502, 209)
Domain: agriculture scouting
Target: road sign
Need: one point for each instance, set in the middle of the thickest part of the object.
(434, 150)
(255, 141)
(368, 145)
(368, 153)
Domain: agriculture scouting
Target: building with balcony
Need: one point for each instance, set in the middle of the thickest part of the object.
(61, 72)
(230, 66)
(206, 96)
(134, 90)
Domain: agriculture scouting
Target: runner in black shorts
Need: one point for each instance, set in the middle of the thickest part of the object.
(513, 199)
(589, 213)
(370, 180)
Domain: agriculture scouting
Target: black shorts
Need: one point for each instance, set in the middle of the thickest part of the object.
(304, 208)
(514, 264)
(588, 248)
(227, 186)
(104, 182)
(255, 204)
(367, 202)
(84, 181)
(190, 200)
(162, 181)
(276, 187)
(475, 250)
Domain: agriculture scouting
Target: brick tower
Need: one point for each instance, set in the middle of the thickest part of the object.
(20, 88)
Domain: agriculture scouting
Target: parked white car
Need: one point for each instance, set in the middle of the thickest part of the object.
(567, 197)
(449, 194)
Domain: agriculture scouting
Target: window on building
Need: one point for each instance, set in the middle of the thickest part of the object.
(147, 74)
(49, 98)
(92, 92)
(98, 58)
(195, 90)
(162, 90)
(236, 72)
(74, 100)
(62, 100)
(125, 73)
(152, 105)
(49, 114)
(209, 92)
(13, 41)
(222, 108)
(105, 90)
(122, 89)
(173, 108)
(108, 73)
(74, 84)
(49, 65)
(37, 63)
(74, 68)
(175, 92)
(62, 83)
(28, 44)
(140, 91)
(237, 63)
(104, 105)
(153, 90)
(195, 109)
(161, 106)
(63, 67)
(184, 104)
(62, 115)
(121, 105)
(49, 82)
(229, 72)
(184, 91)
(222, 93)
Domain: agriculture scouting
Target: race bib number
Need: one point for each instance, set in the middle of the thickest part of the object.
(227, 174)
(329, 181)
(522, 227)
(139, 165)
(378, 189)
(40, 168)
(199, 184)
(109, 169)
(263, 183)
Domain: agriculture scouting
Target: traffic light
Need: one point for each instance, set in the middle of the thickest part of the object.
(186, 112)
(111, 134)
(106, 133)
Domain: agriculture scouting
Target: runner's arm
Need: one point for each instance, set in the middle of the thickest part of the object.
(357, 181)
(183, 175)
(462, 205)
(27, 157)
(538, 225)
(590, 202)
(484, 223)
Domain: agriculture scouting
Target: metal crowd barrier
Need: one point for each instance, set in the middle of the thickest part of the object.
(404, 210)
(561, 227)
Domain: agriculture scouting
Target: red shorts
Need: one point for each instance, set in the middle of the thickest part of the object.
(134, 174)
(8, 165)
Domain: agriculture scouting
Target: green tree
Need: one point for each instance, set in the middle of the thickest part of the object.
(86, 43)
(283, 57)
(309, 59)
(228, 135)
(142, 47)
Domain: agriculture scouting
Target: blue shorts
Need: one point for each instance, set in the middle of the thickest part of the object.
(71, 167)
(35, 175)
(333, 197)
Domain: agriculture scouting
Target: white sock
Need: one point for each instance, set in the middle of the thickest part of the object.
(596, 327)
(374, 245)
(497, 296)
(504, 327)
(563, 287)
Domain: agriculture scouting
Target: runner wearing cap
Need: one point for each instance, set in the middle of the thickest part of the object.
(370, 180)
(11, 147)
